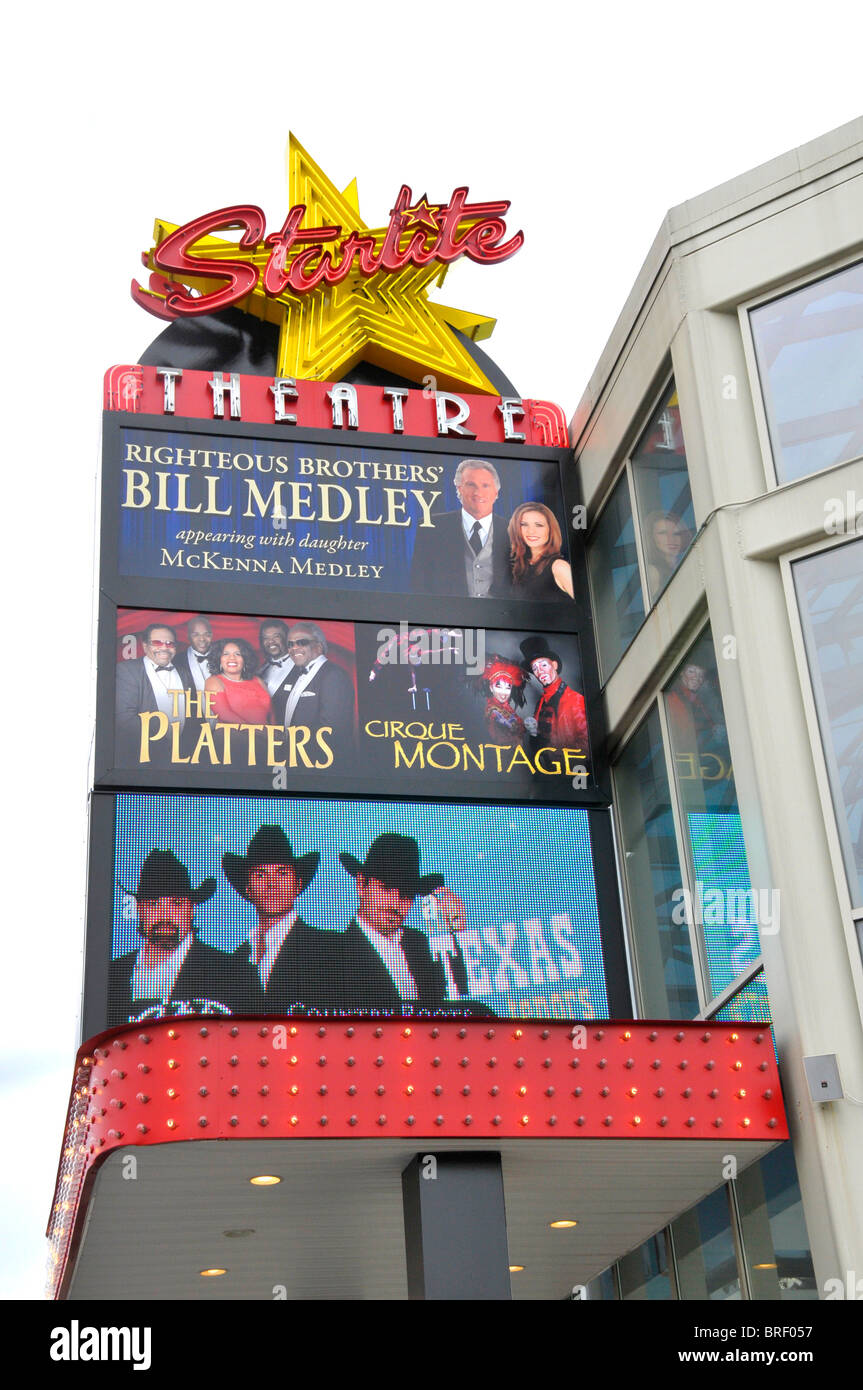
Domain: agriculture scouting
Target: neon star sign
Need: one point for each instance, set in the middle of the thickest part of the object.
(339, 290)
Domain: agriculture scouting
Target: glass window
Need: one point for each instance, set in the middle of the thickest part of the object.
(662, 494)
(721, 901)
(829, 589)
(644, 1272)
(661, 936)
(618, 605)
(704, 1250)
(809, 347)
(775, 1240)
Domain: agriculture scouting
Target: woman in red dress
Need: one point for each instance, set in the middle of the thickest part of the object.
(238, 696)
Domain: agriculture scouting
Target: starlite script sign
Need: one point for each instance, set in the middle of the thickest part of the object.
(340, 291)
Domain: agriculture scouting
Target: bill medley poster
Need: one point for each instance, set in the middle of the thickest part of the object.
(337, 908)
(273, 703)
(337, 516)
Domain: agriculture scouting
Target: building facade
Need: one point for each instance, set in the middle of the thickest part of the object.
(718, 447)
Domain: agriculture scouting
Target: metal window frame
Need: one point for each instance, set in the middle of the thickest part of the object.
(747, 337)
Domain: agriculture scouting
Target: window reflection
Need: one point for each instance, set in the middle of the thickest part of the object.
(662, 941)
(613, 565)
(704, 1250)
(830, 594)
(721, 901)
(809, 348)
(663, 495)
(774, 1229)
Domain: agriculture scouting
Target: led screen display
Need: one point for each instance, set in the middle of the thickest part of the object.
(339, 515)
(340, 908)
(216, 699)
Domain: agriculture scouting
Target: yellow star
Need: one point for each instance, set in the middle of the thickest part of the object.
(385, 318)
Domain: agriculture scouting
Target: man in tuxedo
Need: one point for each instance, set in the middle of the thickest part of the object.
(379, 963)
(278, 665)
(200, 635)
(283, 955)
(318, 693)
(468, 551)
(154, 681)
(171, 970)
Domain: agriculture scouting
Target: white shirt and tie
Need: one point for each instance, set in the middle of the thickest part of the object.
(389, 949)
(299, 686)
(164, 680)
(199, 666)
(265, 943)
(276, 672)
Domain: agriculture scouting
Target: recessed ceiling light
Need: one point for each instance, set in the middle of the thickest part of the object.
(211, 1273)
(516, 1269)
(239, 1232)
(764, 1266)
(564, 1225)
(264, 1180)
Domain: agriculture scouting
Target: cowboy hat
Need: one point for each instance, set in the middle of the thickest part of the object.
(163, 876)
(268, 845)
(394, 860)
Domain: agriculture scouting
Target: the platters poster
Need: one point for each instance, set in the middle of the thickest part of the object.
(274, 703)
(338, 515)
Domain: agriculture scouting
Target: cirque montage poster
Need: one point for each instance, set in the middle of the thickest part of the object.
(187, 504)
(275, 703)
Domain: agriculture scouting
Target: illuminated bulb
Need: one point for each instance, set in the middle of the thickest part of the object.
(627, 1036)
(516, 1269)
(293, 1032)
(171, 1063)
(293, 1061)
(517, 1034)
(172, 1124)
(171, 1033)
(265, 1180)
(523, 1120)
(409, 1090)
(211, 1273)
(171, 1092)
(738, 1066)
(733, 1037)
(633, 1090)
(636, 1119)
(406, 1033)
(741, 1095)
(294, 1090)
(746, 1123)
(409, 1061)
(522, 1090)
(294, 1120)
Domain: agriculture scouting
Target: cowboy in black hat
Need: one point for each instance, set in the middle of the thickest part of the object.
(171, 969)
(283, 956)
(559, 720)
(382, 964)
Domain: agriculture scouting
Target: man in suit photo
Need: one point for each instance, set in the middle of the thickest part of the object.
(197, 655)
(283, 957)
(171, 970)
(468, 551)
(319, 694)
(278, 665)
(154, 681)
(380, 963)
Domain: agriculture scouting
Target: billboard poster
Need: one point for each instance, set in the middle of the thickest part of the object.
(338, 908)
(186, 503)
(225, 700)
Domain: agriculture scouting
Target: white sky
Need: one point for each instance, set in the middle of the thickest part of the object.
(592, 120)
